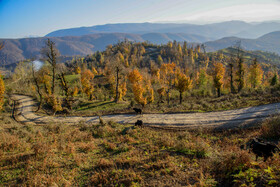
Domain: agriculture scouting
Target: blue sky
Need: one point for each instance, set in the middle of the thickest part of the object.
(23, 18)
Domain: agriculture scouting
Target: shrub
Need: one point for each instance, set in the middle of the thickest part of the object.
(270, 129)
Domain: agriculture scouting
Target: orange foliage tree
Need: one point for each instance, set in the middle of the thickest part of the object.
(142, 94)
(86, 80)
(218, 73)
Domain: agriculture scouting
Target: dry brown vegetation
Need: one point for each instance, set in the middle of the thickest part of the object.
(113, 155)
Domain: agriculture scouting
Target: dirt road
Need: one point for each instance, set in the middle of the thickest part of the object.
(25, 106)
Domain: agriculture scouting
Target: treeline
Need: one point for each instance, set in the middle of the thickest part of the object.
(143, 73)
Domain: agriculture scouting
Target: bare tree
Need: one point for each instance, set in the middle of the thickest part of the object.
(65, 87)
(51, 54)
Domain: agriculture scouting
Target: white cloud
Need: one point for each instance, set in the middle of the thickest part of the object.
(247, 12)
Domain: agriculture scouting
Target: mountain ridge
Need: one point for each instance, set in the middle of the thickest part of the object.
(16, 50)
(213, 30)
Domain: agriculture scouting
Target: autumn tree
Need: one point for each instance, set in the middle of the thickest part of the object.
(122, 90)
(256, 74)
(51, 54)
(87, 83)
(182, 84)
(218, 72)
(116, 69)
(159, 60)
(136, 79)
(44, 78)
(78, 70)
(167, 72)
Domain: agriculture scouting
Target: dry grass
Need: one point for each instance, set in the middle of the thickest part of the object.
(113, 154)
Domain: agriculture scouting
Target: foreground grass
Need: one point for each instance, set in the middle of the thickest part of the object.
(113, 154)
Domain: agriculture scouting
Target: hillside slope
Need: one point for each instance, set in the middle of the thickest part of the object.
(269, 42)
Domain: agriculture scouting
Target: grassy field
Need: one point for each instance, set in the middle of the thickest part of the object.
(121, 155)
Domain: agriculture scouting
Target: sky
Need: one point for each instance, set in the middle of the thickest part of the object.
(26, 18)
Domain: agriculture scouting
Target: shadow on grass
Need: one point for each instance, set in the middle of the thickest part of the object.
(94, 106)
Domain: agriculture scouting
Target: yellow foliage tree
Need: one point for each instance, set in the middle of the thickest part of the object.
(138, 92)
(255, 74)
(2, 91)
(135, 76)
(75, 91)
(122, 90)
(218, 73)
(167, 73)
(182, 84)
(86, 80)
(142, 94)
(161, 92)
(94, 71)
(55, 103)
(78, 70)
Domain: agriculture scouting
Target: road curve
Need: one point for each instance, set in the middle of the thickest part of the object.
(25, 106)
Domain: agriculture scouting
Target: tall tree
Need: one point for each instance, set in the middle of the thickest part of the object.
(256, 74)
(218, 72)
(182, 84)
(116, 68)
(65, 87)
(167, 72)
(86, 79)
(51, 54)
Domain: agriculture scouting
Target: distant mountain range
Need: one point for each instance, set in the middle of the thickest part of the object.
(268, 42)
(214, 31)
(86, 40)
(19, 49)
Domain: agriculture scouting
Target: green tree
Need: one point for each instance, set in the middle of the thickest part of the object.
(274, 80)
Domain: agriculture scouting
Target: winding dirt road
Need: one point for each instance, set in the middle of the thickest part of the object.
(25, 106)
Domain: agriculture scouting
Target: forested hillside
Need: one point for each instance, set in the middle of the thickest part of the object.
(145, 74)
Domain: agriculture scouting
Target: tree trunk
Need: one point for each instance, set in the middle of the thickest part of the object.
(232, 90)
(168, 98)
(117, 87)
(53, 80)
(219, 92)
(181, 97)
